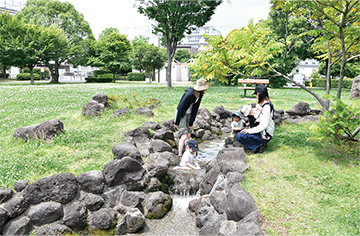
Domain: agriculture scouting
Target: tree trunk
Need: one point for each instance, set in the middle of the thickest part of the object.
(31, 75)
(4, 72)
(114, 80)
(343, 62)
(168, 71)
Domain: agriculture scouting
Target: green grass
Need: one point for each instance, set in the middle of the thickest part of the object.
(302, 186)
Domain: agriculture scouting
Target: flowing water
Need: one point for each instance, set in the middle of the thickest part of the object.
(180, 220)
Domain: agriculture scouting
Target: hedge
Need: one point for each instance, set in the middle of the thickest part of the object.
(27, 76)
(136, 76)
(7, 75)
(321, 82)
(44, 74)
(102, 78)
(96, 73)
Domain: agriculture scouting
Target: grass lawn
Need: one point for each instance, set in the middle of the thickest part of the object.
(302, 186)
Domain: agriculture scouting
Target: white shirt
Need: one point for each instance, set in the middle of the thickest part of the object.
(266, 123)
(188, 157)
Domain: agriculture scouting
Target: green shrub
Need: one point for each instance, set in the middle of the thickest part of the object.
(307, 83)
(136, 76)
(321, 82)
(277, 82)
(102, 78)
(27, 76)
(7, 75)
(44, 74)
(96, 73)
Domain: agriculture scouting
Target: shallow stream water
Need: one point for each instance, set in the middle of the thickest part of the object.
(180, 220)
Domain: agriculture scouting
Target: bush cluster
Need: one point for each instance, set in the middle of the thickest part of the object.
(102, 78)
(321, 82)
(96, 73)
(27, 76)
(7, 75)
(45, 74)
(136, 76)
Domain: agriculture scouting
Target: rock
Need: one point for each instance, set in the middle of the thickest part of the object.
(101, 98)
(225, 130)
(221, 112)
(75, 216)
(160, 146)
(93, 108)
(132, 222)
(140, 134)
(208, 181)
(133, 199)
(248, 229)
(121, 112)
(173, 159)
(199, 133)
(228, 227)
(196, 204)
(45, 213)
(45, 130)
(157, 204)
(3, 218)
(93, 202)
(16, 206)
(239, 203)
(157, 166)
(217, 195)
(185, 181)
(20, 226)
(5, 194)
(215, 130)
(208, 135)
(255, 217)
(151, 125)
(20, 185)
(112, 197)
(103, 219)
(54, 229)
(204, 214)
(154, 185)
(145, 111)
(92, 181)
(355, 88)
(164, 134)
(212, 226)
(232, 160)
(169, 124)
(201, 123)
(144, 149)
(121, 150)
(61, 188)
(234, 178)
(123, 171)
(302, 108)
(204, 114)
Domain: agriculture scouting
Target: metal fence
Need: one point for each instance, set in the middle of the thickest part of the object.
(12, 6)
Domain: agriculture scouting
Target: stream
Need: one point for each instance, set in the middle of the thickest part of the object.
(180, 220)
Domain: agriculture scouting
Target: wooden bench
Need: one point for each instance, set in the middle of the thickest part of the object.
(254, 82)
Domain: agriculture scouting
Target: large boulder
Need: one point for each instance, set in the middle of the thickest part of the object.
(185, 181)
(92, 202)
(54, 229)
(132, 222)
(212, 226)
(201, 123)
(101, 98)
(16, 206)
(221, 112)
(123, 171)
(45, 130)
(92, 181)
(18, 226)
(204, 114)
(164, 134)
(121, 112)
(232, 160)
(103, 219)
(121, 150)
(355, 88)
(300, 109)
(151, 125)
(145, 111)
(60, 188)
(160, 146)
(5, 194)
(93, 108)
(133, 199)
(208, 181)
(45, 213)
(173, 159)
(169, 124)
(75, 216)
(217, 195)
(140, 134)
(157, 166)
(156, 205)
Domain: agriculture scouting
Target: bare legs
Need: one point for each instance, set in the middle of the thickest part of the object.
(184, 138)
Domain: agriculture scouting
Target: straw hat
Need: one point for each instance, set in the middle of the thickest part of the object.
(246, 110)
(202, 84)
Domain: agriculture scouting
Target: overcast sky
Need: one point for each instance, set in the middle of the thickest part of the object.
(122, 15)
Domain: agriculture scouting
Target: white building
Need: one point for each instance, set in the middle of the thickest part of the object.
(196, 40)
(307, 67)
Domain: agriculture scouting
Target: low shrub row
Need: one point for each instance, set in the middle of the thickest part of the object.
(101, 78)
(321, 82)
(136, 76)
(27, 76)
(45, 74)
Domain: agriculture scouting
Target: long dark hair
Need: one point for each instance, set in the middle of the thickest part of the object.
(262, 96)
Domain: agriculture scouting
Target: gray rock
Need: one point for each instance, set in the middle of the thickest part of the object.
(212, 226)
(208, 181)
(75, 216)
(16, 206)
(160, 146)
(255, 217)
(102, 219)
(113, 195)
(157, 166)
(3, 218)
(45, 213)
(248, 229)
(217, 195)
(101, 98)
(234, 178)
(204, 114)
(215, 130)
(208, 135)
(20, 185)
(201, 123)
(59, 187)
(302, 108)
(151, 125)
(54, 229)
(123, 171)
(45, 130)
(133, 199)
(225, 130)
(121, 150)
(164, 134)
(154, 185)
(134, 220)
(144, 111)
(156, 205)
(239, 203)
(204, 214)
(19, 226)
(92, 181)
(228, 227)
(221, 112)
(215, 116)
(196, 204)
(232, 160)
(173, 159)
(93, 108)
(355, 88)
(93, 202)
(121, 112)
(5, 194)
(144, 149)
(140, 134)
(169, 124)
(185, 181)
(199, 133)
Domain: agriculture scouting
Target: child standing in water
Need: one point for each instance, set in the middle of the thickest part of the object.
(189, 158)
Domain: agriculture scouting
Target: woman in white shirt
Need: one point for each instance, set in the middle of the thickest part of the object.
(252, 138)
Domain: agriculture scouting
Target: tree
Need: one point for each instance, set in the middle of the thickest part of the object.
(108, 31)
(182, 55)
(64, 16)
(139, 41)
(112, 51)
(352, 69)
(174, 18)
(149, 58)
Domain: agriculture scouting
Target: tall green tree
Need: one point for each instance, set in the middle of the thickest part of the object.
(175, 18)
(112, 51)
(182, 55)
(64, 16)
(139, 44)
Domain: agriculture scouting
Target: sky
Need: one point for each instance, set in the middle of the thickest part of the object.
(122, 15)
